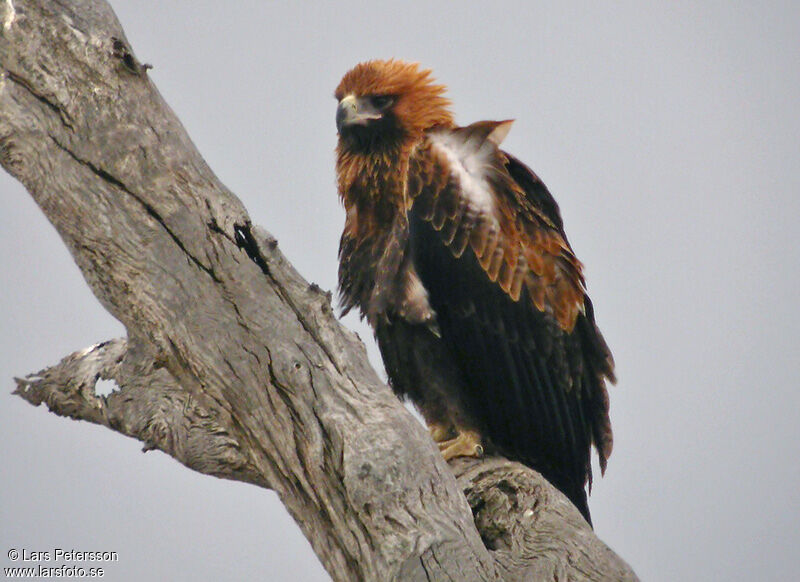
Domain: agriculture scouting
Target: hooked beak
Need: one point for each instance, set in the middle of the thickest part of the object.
(354, 110)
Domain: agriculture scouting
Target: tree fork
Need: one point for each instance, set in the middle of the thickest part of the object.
(234, 364)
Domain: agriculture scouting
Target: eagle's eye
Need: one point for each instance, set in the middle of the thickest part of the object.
(381, 102)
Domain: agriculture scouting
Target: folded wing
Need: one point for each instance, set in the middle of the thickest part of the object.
(489, 247)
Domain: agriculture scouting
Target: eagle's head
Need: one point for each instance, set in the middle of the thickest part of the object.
(384, 105)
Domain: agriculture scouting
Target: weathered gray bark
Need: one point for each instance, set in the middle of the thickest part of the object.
(234, 364)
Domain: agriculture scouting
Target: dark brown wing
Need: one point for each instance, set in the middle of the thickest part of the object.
(488, 245)
(468, 194)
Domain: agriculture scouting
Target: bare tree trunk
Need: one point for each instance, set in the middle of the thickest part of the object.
(234, 364)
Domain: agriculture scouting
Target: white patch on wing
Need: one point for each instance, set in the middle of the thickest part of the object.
(468, 162)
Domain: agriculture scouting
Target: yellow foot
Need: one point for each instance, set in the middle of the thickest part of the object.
(441, 432)
(466, 444)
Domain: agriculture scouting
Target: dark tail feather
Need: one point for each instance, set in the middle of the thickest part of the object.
(578, 497)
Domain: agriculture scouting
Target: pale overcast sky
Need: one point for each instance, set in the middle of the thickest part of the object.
(668, 132)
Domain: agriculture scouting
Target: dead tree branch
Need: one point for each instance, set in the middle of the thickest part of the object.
(234, 364)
